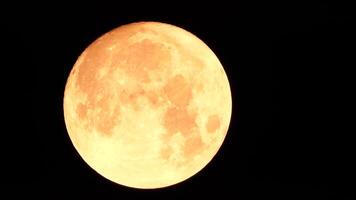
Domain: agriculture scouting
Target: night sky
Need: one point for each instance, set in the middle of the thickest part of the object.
(289, 67)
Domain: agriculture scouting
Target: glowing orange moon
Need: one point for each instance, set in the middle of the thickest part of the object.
(147, 105)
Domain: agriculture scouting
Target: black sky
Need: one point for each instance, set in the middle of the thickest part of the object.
(290, 70)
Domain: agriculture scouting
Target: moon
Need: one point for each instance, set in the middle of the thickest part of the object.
(147, 105)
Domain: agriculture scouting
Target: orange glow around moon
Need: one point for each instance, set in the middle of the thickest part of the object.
(147, 105)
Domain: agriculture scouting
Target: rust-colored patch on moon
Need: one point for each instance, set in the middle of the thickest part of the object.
(81, 111)
(213, 123)
(95, 59)
(179, 120)
(178, 91)
(124, 96)
(153, 98)
(136, 94)
(130, 97)
(140, 58)
(107, 119)
(102, 117)
(193, 145)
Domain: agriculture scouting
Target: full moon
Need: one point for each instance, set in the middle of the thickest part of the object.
(147, 105)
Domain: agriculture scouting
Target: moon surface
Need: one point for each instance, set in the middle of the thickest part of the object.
(147, 105)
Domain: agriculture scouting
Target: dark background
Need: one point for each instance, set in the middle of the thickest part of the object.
(290, 70)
